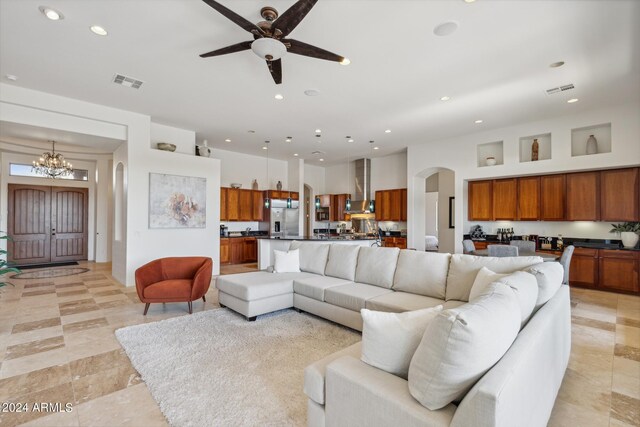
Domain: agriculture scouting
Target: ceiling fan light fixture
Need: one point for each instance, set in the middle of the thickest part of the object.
(268, 48)
(345, 61)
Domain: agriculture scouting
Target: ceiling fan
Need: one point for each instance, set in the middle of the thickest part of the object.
(270, 36)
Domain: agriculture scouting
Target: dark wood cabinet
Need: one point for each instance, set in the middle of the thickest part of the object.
(241, 205)
(257, 205)
(383, 205)
(505, 199)
(619, 195)
(480, 200)
(338, 206)
(529, 198)
(403, 206)
(583, 203)
(391, 205)
(224, 251)
(396, 205)
(236, 250)
(552, 197)
(250, 249)
(619, 270)
(223, 204)
(233, 204)
(325, 200)
(583, 270)
(394, 242)
(245, 205)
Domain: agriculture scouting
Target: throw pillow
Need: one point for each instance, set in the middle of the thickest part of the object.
(484, 278)
(461, 344)
(286, 262)
(525, 287)
(549, 276)
(390, 339)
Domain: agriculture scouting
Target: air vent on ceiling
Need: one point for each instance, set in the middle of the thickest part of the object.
(560, 89)
(127, 81)
(317, 152)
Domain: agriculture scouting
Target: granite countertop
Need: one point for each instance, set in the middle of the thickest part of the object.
(315, 238)
(578, 242)
(251, 234)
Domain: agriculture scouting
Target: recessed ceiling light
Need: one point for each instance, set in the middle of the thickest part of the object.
(11, 77)
(445, 98)
(295, 154)
(288, 139)
(445, 29)
(572, 100)
(251, 131)
(469, 1)
(557, 64)
(322, 160)
(312, 92)
(478, 121)
(318, 131)
(279, 96)
(52, 14)
(227, 140)
(97, 29)
(265, 148)
(345, 61)
(376, 148)
(350, 140)
(387, 131)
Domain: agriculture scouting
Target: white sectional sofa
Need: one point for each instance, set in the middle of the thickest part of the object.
(337, 281)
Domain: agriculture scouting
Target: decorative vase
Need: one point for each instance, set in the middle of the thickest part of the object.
(279, 186)
(534, 150)
(491, 161)
(629, 239)
(254, 184)
(592, 145)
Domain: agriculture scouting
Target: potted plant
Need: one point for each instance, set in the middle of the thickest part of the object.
(628, 233)
(4, 265)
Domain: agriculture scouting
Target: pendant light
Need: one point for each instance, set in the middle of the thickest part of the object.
(267, 202)
(348, 202)
(317, 202)
(289, 201)
(372, 202)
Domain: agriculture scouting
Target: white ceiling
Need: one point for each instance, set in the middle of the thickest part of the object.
(495, 67)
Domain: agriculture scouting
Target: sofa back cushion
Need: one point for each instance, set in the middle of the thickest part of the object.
(313, 256)
(422, 273)
(343, 259)
(461, 344)
(463, 270)
(549, 276)
(376, 266)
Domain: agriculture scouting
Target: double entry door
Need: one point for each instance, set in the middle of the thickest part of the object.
(47, 224)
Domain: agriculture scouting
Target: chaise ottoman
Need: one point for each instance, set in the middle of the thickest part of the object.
(259, 292)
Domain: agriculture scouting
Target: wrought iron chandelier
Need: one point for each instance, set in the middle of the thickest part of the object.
(52, 165)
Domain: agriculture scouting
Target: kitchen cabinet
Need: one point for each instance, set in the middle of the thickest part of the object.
(233, 204)
(338, 206)
(505, 200)
(480, 200)
(223, 204)
(325, 200)
(552, 197)
(245, 205)
(480, 245)
(236, 250)
(403, 205)
(620, 194)
(394, 242)
(529, 198)
(249, 249)
(257, 205)
(583, 270)
(619, 270)
(224, 251)
(391, 205)
(583, 203)
(383, 205)
(396, 205)
(282, 195)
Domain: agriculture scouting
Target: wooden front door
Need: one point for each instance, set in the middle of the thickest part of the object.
(47, 224)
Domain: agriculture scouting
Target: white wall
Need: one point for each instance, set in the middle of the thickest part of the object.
(314, 177)
(446, 235)
(185, 140)
(431, 214)
(244, 168)
(459, 155)
(389, 172)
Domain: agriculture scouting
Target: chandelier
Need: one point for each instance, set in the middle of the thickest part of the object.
(52, 165)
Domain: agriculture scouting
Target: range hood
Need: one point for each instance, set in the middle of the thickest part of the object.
(362, 197)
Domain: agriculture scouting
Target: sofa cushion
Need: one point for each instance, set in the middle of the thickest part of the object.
(353, 296)
(422, 273)
(258, 284)
(525, 287)
(464, 269)
(397, 302)
(313, 256)
(314, 374)
(549, 276)
(390, 339)
(376, 266)
(314, 286)
(461, 344)
(342, 261)
(286, 262)
(169, 289)
(484, 278)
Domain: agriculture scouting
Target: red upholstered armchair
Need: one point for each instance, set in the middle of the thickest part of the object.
(175, 279)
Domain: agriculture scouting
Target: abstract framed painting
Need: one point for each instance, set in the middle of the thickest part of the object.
(177, 201)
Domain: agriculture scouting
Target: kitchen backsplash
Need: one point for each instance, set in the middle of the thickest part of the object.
(584, 229)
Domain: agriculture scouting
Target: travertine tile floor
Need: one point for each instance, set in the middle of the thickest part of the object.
(57, 346)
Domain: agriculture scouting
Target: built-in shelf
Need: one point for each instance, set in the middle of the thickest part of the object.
(544, 147)
(579, 138)
(490, 149)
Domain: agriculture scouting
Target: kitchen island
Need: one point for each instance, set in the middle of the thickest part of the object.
(266, 245)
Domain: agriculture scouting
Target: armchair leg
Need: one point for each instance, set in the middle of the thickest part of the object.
(146, 308)
(190, 308)
(204, 299)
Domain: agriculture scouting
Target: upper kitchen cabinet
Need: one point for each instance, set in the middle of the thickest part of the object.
(583, 203)
(481, 200)
(383, 205)
(505, 199)
(403, 206)
(257, 203)
(619, 194)
(223, 204)
(245, 208)
(339, 204)
(391, 205)
(233, 204)
(529, 198)
(552, 197)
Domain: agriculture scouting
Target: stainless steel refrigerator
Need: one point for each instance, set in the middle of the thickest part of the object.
(283, 221)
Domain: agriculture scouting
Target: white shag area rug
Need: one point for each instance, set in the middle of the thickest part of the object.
(214, 368)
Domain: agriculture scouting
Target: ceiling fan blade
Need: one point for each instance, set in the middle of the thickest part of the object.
(231, 15)
(300, 48)
(229, 49)
(292, 16)
(275, 68)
